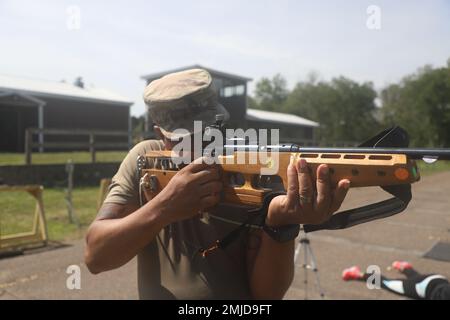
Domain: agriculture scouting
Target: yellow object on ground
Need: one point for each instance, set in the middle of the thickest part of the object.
(38, 233)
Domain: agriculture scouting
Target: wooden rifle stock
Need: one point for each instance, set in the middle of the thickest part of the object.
(244, 184)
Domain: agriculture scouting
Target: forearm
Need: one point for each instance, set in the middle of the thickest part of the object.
(110, 243)
(273, 269)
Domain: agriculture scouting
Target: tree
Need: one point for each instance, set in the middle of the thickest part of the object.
(343, 108)
(251, 103)
(137, 127)
(420, 103)
(270, 94)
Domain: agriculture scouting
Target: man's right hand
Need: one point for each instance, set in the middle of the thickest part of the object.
(194, 188)
(121, 231)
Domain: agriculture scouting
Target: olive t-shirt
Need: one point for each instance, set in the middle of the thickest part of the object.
(169, 267)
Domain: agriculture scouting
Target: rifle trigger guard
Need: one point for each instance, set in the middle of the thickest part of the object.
(152, 183)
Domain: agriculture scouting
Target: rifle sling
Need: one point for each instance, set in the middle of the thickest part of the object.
(341, 220)
(374, 211)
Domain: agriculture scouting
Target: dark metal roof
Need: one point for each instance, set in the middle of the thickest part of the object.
(153, 76)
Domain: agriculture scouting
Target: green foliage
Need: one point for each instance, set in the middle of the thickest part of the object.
(421, 104)
(270, 93)
(138, 128)
(251, 103)
(346, 109)
(426, 169)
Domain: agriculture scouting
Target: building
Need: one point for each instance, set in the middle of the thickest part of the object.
(29, 103)
(232, 94)
(292, 128)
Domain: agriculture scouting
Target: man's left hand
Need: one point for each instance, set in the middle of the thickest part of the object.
(306, 202)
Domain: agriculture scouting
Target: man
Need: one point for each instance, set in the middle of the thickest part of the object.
(167, 232)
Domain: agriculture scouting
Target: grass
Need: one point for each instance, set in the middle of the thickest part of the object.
(18, 209)
(61, 157)
(427, 169)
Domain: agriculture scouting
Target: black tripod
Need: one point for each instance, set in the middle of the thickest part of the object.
(309, 263)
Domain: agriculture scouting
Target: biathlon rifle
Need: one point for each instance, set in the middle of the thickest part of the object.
(384, 160)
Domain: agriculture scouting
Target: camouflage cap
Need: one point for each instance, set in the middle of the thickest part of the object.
(178, 99)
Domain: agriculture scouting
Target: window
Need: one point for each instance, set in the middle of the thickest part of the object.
(227, 92)
(240, 90)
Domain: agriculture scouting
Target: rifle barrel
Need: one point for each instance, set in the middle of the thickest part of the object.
(412, 153)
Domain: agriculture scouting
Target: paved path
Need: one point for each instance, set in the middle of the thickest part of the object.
(406, 236)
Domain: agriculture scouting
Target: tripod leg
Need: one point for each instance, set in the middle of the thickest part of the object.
(302, 246)
(316, 272)
(305, 266)
(297, 251)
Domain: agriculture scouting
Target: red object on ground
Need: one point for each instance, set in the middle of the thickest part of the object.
(352, 273)
(401, 265)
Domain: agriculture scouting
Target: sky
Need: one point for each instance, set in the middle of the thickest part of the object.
(111, 44)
